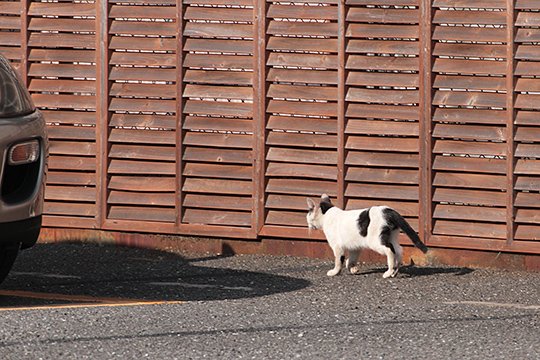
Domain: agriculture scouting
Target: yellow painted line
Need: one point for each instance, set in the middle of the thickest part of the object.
(87, 301)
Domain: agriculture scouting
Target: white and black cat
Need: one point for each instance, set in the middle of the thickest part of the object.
(375, 228)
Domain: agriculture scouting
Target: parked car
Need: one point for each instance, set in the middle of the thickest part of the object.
(23, 154)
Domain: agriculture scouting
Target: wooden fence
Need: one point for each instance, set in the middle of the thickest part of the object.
(219, 117)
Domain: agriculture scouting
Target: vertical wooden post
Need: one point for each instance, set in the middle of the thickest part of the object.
(179, 115)
(25, 52)
(510, 127)
(342, 92)
(259, 112)
(102, 109)
(425, 218)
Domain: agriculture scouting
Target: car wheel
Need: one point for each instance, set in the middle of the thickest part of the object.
(8, 254)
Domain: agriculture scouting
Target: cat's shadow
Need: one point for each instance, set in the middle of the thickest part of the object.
(414, 271)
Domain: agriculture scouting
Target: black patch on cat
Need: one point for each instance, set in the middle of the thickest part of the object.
(326, 205)
(394, 220)
(342, 259)
(385, 236)
(363, 222)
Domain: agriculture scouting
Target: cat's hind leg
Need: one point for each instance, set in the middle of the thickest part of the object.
(390, 258)
(398, 251)
(351, 264)
(339, 259)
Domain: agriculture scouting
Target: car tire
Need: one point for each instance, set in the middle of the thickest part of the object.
(8, 254)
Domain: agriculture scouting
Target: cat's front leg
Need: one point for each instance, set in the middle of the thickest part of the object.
(339, 258)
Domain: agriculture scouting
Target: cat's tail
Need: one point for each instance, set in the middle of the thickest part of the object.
(399, 221)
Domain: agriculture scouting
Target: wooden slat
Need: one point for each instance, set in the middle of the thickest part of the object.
(301, 124)
(303, 60)
(218, 77)
(303, 76)
(302, 44)
(217, 202)
(216, 140)
(356, 46)
(301, 28)
(130, 167)
(467, 164)
(472, 197)
(289, 218)
(217, 171)
(457, 180)
(383, 15)
(142, 214)
(141, 12)
(142, 28)
(382, 31)
(301, 187)
(142, 184)
(481, 17)
(158, 153)
(390, 112)
(217, 186)
(303, 92)
(217, 156)
(473, 229)
(302, 108)
(217, 124)
(302, 12)
(69, 209)
(469, 148)
(373, 143)
(375, 175)
(382, 191)
(217, 14)
(306, 140)
(211, 30)
(382, 159)
(382, 63)
(301, 170)
(143, 199)
(61, 9)
(301, 156)
(405, 208)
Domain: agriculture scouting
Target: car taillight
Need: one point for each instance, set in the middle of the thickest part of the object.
(24, 153)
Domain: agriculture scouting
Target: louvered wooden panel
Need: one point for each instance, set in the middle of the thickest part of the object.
(301, 108)
(10, 31)
(218, 113)
(142, 124)
(469, 119)
(527, 121)
(62, 81)
(382, 117)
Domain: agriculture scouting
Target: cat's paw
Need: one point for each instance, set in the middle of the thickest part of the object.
(388, 273)
(333, 272)
(354, 270)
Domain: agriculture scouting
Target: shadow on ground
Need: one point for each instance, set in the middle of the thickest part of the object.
(132, 273)
(413, 271)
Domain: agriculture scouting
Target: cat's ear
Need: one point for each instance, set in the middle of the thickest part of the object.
(311, 204)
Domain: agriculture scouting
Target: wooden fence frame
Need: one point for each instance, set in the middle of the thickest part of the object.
(494, 207)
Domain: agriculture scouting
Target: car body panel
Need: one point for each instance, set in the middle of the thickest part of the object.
(22, 186)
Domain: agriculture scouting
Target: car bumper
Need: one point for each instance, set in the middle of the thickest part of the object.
(21, 205)
(25, 232)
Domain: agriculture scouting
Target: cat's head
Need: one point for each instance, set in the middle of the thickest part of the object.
(316, 212)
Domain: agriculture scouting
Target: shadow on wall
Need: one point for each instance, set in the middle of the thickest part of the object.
(133, 273)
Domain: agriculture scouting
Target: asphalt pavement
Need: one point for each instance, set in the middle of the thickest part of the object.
(87, 301)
